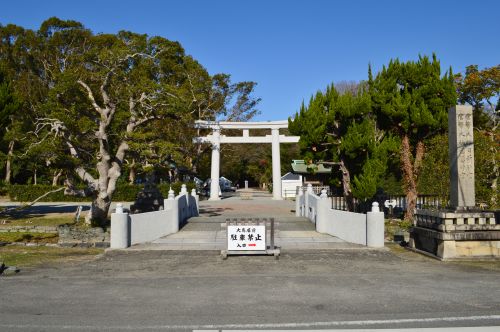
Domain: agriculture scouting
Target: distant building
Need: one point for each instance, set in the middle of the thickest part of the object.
(316, 174)
(289, 184)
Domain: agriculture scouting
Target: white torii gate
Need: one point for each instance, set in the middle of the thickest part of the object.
(216, 139)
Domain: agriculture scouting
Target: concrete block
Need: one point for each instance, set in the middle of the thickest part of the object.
(452, 222)
(375, 229)
(446, 249)
(120, 231)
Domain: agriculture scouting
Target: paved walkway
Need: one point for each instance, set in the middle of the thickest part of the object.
(207, 231)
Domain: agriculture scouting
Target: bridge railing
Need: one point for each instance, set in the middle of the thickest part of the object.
(127, 230)
(365, 229)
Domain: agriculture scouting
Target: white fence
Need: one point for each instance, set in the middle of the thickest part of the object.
(127, 230)
(365, 229)
(423, 202)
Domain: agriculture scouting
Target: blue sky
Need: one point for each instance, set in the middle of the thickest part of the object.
(292, 48)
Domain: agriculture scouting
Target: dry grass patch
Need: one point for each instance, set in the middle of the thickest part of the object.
(22, 256)
(29, 237)
(52, 219)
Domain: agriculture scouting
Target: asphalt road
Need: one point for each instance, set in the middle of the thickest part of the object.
(159, 290)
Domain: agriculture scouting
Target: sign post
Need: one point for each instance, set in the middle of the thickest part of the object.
(250, 237)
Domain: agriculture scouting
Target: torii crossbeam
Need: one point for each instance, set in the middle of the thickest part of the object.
(216, 139)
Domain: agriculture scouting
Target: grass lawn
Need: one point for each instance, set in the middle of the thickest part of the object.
(21, 256)
(29, 237)
(54, 219)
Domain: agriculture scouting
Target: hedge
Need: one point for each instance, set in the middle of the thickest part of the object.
(123, 192)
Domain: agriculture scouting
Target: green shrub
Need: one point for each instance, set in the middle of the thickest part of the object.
(3, 188)
(123, 193)
(176, 187)
(28, 193)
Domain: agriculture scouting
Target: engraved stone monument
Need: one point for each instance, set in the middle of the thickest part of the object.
(461, 156)
(462, 231)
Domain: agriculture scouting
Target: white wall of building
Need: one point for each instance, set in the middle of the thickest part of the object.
(289, 188)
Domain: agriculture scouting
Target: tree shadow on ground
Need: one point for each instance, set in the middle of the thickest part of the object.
(213, 212)
(43, 210)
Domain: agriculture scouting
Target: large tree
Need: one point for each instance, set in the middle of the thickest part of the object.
(411, 100)
(98, 98)
(339, 129)
(20, 89)
(9, 106)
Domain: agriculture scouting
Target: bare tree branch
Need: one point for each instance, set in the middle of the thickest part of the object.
(22, 207)
(91, 97)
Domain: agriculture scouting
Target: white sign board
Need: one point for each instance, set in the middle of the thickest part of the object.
(246, 237)
(392, 203)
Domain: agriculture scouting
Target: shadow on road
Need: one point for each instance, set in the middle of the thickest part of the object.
(41, 210)
(213, 211)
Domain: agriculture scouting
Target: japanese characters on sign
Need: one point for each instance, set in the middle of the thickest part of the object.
(465, 145)
(246, 237)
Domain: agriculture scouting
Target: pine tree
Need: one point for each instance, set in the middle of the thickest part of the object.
(339, 129)
(411, 100)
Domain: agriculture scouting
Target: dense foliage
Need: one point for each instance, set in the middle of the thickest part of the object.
(411, 101)
(124, 192)
(481, 89)
(88, 108)
(390, 133)
(339, 129)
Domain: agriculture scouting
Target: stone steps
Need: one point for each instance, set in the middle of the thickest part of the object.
(208, 233)
(210, 224)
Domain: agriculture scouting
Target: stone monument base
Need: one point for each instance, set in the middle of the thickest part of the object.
(456, 234)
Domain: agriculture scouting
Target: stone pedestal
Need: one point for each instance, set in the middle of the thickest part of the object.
(461, 232)
(456, 234)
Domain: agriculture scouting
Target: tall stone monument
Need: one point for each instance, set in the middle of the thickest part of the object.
(462, 231)
(461, 156)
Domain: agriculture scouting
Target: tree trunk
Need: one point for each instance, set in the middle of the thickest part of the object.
(410, 175)
(35, 177)
(346, 184)
(8, 163)
(98, 210)
(131, 174)
(55, 178)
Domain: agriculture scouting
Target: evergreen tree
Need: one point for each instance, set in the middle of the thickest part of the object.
(340, 130)
(9, 106)
(411, 100)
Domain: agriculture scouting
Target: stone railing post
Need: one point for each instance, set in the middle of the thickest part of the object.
(298, 205)
(120, 229)
(197, 200)
(173, 205)
(307, 194)
(183, 190)
(375, 227)
(322, 212)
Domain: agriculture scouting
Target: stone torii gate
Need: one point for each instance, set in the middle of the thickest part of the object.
(216, 139)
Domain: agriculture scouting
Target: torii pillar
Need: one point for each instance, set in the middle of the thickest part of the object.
(215, 171)
(276, 160)
(216, 139)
